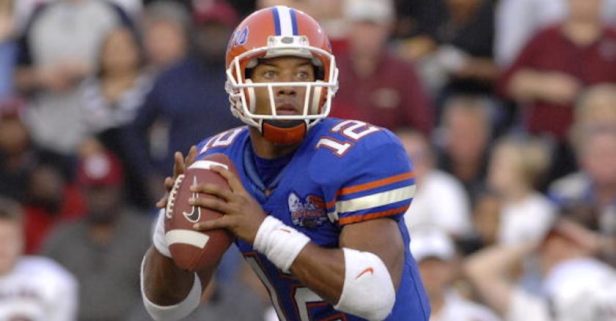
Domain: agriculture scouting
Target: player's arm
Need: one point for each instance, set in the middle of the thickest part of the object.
(168, 292)
(359, 278)
(362, 276)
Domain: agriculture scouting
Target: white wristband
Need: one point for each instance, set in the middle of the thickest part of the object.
(174, 312)
(158, 237)
(279, 242)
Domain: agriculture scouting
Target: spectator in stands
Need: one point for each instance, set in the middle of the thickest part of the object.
(575, 286)
(516, 166)
(50, 200)
(452, 44)
(547, 77)
(31, 288)
(57, 51)
(433, 186)
(191, 90)
(32, 178)
(104, 249)
(111, 96)
(464, 141)
(375, 85)
(439, 267)
(518, 20)
(110, 100)
(594, 185)
(594, 109)
(15, 157)
(165, 33)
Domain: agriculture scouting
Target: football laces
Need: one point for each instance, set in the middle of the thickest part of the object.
(172, 195)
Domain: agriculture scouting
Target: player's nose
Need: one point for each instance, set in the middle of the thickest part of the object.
(286, 90)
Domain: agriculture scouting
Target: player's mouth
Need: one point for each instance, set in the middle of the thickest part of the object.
(286, 109)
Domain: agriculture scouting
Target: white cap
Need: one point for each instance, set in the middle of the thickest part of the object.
(582, 289)
(378, 11)
(432, 243)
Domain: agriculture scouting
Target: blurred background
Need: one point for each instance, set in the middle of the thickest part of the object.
(506, 107)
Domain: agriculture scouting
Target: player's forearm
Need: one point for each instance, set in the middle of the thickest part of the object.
(164, 283)
(353, 278)
(353, 281)
(321, 270)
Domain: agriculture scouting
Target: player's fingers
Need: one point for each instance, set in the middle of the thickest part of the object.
(178, 166)
(192, 155)
(232, 179)
(162, 202)
(169, 183)
(218, 223)
(212, 189)
(212, 203)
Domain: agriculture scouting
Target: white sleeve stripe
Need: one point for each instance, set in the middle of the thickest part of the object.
(376, 200)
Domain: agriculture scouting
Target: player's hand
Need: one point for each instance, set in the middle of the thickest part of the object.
(179, 167)
(242, 214)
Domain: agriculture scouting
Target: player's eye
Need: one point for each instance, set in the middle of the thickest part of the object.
(269, 74)
(303, 75)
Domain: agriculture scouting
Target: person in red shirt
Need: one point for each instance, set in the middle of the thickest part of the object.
(554, 68)
(557, 64)
(375, 85)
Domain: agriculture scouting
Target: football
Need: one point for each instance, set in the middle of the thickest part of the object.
(190, 249)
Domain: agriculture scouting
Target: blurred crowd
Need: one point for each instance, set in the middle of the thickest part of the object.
(506, 107)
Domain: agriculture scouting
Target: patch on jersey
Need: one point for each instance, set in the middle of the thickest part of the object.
(310, 212)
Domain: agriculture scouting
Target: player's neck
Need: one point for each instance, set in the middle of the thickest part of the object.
(268, 150)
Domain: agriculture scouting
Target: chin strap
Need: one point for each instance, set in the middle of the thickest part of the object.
(279, 132)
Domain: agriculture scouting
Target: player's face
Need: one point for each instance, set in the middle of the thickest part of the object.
(288, 100)
(11, 244)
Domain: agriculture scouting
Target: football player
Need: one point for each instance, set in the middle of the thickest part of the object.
(317, 203)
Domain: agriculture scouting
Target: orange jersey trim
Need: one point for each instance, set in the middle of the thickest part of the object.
(371, 216)
(377, 183)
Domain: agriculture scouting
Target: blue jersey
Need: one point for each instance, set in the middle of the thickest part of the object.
(344, 172)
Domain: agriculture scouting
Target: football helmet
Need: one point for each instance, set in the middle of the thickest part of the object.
(275, 32)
